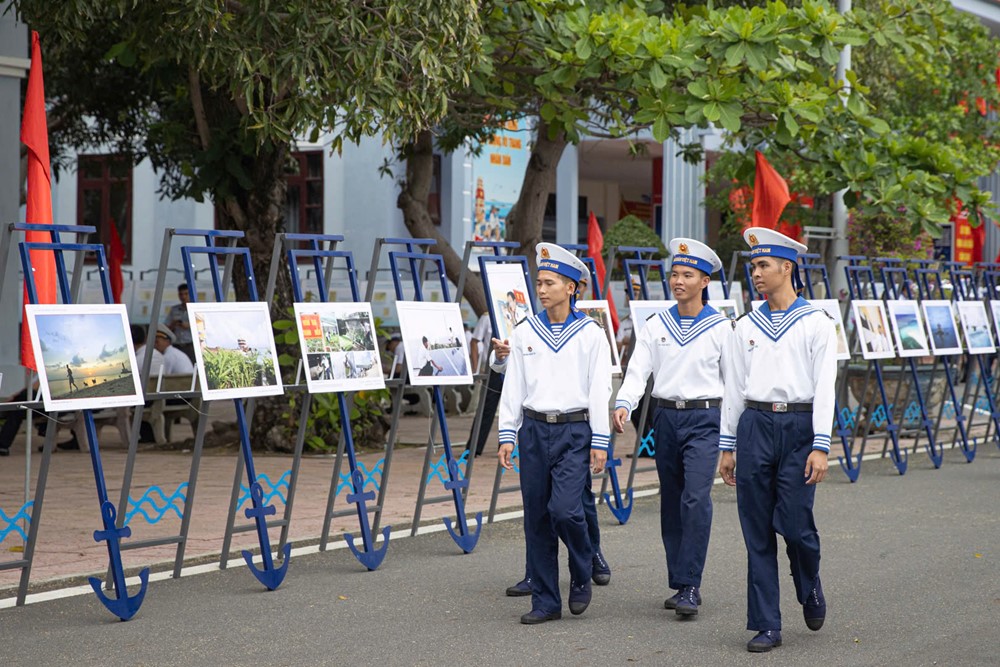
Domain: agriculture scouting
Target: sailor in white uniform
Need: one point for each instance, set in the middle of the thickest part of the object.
(554, 405)
(778, 412)
(683, 349)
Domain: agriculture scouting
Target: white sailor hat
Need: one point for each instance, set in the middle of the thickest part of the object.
(765, 242)
(550, 257)
(688, 252)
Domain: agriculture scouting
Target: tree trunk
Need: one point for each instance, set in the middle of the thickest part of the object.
(524, 223)
(258, 212)
(412, 201)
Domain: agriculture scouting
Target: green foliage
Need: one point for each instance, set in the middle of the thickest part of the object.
(631, 231)
(232, 369)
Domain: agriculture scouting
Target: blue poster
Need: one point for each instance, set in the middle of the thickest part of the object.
(498, 172)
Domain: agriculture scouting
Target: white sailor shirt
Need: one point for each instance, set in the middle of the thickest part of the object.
(557, 369)
(788, 357)
(684, 355)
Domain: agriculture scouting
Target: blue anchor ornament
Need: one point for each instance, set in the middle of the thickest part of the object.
(122, 605)
(463, 538)
(619, 509)
(270, 576)
(369, 556)
(849, 463)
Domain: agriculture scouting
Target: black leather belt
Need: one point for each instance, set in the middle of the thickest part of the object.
(780, 407)
(557, 417)
(700, 404)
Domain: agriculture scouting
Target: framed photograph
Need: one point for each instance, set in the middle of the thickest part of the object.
(434, 341)
(941, 329)
(908, 329)
(600, 311)
(726, 307)
(506, 294)
(640, 311)
(976, 327)
(338, 346)
(995, 311)
(872, 326)
(234, 350)
(84, 355)
(832, 308)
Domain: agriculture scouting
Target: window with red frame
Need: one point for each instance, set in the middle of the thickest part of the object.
(104, 197)
(304, 193)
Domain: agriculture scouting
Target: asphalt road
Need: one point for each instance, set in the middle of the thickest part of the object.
(911, 568)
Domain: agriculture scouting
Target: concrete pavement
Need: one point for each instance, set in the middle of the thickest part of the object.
(911, 568)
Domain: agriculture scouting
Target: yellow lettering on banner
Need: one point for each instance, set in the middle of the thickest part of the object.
(515, 144)
(506, 160)
(495, 158)
(511, 125)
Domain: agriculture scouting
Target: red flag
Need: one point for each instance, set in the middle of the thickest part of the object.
(595, 245)
(770, 195)
(35, 135)
(116, 256)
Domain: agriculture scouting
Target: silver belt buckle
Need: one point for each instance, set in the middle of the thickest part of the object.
(680, 404)
(779, 407)
(552, 419)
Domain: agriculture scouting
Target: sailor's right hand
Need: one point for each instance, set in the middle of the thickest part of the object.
(501, 348)
(504, 455)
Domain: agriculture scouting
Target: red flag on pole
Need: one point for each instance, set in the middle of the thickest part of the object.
(595, 245)
(770, 195)
(116, 257)
(35, 135)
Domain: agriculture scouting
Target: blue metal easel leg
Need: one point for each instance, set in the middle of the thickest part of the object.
(122, 605)
(848, 463)
(899, 458)
(369, 556)
(463, 538)
(270, 575)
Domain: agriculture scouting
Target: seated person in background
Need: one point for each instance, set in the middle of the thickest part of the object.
(175, 362)
(139, 343)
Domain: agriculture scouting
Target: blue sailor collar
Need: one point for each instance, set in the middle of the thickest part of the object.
(795, 312)
(705, 320)
(542, 326)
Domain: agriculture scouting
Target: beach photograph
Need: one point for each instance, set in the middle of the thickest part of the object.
(908, 329)
(234, 350)
(85, 353)
(600, 312)
(339, 347)
(434, 341)
(726, 307)
(976, 327)
(941, 327)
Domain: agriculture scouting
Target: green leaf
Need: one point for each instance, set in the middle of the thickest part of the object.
(657, 77)
(661, 128)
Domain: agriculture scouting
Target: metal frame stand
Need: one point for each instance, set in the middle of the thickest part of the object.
(369, 556)
(122, 605)
(457, 484)
(270, 576)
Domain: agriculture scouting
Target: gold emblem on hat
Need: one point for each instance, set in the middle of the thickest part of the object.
(753, 240)
(683, 248)
(545, 253)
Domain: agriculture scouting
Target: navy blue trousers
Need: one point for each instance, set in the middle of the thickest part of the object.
(773, 499)
(589, 513)
(687, 453)
(555, 467)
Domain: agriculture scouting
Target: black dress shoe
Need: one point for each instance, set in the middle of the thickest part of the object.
(601, 569)
(579, 598)
(814, 610)
(520, 589)
(535, 616)
(688, 601)
(764, 641)
(5, 451)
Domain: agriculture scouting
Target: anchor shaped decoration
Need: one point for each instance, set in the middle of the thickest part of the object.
(456, 484)
(270, 576)
(849, 463)
(368, 555)
(122, 605)
(619, 509)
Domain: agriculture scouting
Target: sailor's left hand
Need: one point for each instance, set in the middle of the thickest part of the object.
(816, 466)
(598, 457)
